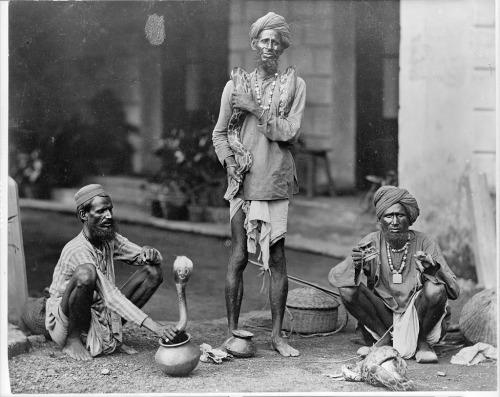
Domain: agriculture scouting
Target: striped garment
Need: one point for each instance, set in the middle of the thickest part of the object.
(109, 304)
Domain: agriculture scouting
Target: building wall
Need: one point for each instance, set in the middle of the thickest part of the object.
(447, 112)
(323, 49)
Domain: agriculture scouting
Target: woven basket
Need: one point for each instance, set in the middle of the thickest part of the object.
(478, 319)
(310, 311)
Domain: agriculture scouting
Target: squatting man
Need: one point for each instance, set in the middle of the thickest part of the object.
(400, 295)
(85, 310)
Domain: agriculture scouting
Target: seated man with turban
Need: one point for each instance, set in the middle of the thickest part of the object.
(403, 299)
(85, 309)
(255, 149)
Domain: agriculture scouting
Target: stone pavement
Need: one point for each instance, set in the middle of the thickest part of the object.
(322, 225)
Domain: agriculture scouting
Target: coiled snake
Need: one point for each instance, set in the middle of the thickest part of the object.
(241, 81)
(383, 366)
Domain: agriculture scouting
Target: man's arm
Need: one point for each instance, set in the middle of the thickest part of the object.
(219, 134)
(285, 129)
(134, 254)
(433, 267)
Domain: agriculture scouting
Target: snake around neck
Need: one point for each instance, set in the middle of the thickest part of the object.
(241, 81)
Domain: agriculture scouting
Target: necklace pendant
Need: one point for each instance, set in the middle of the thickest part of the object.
(397, 278)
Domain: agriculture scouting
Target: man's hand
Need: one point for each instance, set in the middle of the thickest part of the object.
(357, 257)
(233, 173)
(424, 261)
(167, 332)
(232, 169)
(244, 102)
(150, 256)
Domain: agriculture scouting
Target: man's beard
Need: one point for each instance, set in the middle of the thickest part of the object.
(99, 235)
(396, 240)
(269, 65)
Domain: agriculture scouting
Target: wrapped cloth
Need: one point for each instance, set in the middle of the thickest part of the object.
(275, 22)
(209, 354)
(473, 355)
(265, 223)
(387, 196)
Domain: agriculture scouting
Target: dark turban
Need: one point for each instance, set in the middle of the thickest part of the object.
(275, 22)
(386, 196)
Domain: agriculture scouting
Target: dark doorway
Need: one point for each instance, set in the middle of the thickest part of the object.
(377, 77)
(195, 63)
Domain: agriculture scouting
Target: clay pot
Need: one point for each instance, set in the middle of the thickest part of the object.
(179, 359)
(241, 344)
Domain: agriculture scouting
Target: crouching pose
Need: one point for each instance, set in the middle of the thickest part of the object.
(408, 283)
(85, 310)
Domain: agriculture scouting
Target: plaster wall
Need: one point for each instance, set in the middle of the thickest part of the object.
(447, 112)
(323, 49)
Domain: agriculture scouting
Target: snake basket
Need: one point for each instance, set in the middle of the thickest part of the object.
(310, 311)
(478, 319)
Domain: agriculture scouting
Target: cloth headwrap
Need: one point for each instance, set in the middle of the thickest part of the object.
(386, 196)
(275, 22)
(88, 192)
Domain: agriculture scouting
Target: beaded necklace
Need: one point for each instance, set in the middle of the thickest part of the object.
(397, 277)
(259, 96)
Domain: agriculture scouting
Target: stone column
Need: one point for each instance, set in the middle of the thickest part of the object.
(18, 286)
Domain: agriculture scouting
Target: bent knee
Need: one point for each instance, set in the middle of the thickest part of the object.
(348, 294)
(435, 293)
(86, 275)
(154, 273)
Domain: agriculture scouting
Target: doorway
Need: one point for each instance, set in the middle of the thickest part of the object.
(377, 89)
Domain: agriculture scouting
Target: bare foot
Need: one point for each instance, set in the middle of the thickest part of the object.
(127, 349)
(76, 350)
(425, 353)
(282, 347)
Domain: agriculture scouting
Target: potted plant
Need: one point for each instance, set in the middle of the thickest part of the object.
(191, 178)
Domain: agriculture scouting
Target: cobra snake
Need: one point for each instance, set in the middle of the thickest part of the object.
(182, 269)
(383, 366)
(241, 81)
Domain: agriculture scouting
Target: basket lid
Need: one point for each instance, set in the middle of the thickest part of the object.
(310, 298)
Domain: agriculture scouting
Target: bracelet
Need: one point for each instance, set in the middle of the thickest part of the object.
(231, 165)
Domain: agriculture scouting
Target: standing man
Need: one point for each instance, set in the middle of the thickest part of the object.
(84, 301)
(403, 300)
(259, 194)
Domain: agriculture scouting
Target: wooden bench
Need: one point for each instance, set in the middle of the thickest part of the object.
(313, 157)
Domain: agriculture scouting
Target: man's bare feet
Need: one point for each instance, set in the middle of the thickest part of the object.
(425, 353)
(282, 347)
(126, 349)
(76, 350)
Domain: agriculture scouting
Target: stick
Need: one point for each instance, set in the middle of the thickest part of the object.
(304, 282)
